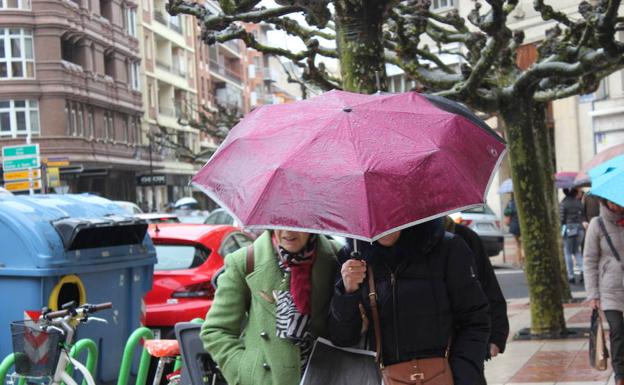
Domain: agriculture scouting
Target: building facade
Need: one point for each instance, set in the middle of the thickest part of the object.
(169, 83)
(68, 80)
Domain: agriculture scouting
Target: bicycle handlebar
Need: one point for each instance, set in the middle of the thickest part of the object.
(86, 308)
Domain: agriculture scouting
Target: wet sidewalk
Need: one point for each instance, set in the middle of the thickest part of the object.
(546, 362)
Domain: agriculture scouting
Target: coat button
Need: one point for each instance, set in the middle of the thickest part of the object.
(266, 366)
(264, 335)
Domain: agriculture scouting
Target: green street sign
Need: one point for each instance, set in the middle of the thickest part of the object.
(20, 164)
(14, 151)
(20, 157)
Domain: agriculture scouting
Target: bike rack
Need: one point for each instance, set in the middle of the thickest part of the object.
(92, 356)
(85, 343)
(7, 364)
(128, 356)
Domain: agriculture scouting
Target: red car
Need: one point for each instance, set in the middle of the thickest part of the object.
(188, 257)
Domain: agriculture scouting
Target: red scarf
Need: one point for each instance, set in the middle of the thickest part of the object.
(300, 267)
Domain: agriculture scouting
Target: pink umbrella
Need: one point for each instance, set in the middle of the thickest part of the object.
(354, 165)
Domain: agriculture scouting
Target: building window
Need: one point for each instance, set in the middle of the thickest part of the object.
(148, 47)
(15, 4)
(109, 126)
(131, 22)
(17, 59)
(19, 117)
(150, 95)
(106, 9)
(438, 5)
(135, 77)
(109, 65)
(125, 127)
(90, 128)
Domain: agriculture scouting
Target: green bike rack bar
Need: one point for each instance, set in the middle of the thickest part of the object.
(5, 365)
(128, 356)
(92, 356)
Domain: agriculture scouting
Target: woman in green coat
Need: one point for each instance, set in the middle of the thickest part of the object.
(264, 318)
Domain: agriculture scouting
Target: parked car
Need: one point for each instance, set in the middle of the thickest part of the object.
(219, 217)
(485, 223)
(188, 257)
(130, 207)
(159, 217)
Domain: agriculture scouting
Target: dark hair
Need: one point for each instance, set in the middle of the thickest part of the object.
(570, 192)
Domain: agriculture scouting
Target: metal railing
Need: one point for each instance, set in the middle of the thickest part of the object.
(163, 65)
(167, 111)
(160, 17)
(226, 72)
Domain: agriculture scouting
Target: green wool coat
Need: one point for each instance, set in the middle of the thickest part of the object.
(245, 347)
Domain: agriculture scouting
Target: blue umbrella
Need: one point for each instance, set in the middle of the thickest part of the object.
(608, 180)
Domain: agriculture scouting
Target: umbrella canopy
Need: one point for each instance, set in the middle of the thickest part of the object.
(607, 180)
(583, 177)
(563, 179)
(186, 201)
(353, 165)
(506, 187)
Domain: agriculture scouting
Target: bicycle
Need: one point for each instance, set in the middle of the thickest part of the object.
(42, 348)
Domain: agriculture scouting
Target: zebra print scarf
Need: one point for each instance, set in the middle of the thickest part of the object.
(293, 306)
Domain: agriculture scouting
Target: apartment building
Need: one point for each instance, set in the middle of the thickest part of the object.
(169, 82)
(69, 80)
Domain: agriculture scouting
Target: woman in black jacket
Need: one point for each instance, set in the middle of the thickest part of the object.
(427, 291)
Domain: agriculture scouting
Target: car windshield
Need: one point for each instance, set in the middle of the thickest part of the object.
(179, 257)
(485, 209)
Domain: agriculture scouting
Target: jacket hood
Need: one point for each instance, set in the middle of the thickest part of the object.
(414, 241)
(609, 215)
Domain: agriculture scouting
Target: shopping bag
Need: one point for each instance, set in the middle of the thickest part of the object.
(332, 365)
(598, 353)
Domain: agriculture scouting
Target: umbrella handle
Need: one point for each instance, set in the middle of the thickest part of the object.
(355, 253)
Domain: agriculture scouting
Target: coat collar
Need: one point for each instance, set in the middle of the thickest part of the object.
(268, 277)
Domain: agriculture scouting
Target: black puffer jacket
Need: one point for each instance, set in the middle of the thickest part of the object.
(427, 291)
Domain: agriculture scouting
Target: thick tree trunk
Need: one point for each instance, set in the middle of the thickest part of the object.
(533, 194)
(359, 40)
(543, 135)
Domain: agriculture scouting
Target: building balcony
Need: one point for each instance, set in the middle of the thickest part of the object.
(163, 65)
(160, 17)
(230, 75)
(167, 111)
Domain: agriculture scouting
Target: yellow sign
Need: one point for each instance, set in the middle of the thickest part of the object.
(23, 186)
(56, 162)
(34, 173)
(54, 177)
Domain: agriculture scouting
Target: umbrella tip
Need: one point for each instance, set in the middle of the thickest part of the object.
(347, 109)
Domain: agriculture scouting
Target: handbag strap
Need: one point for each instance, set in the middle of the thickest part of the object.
(372, 296)
(609, 241)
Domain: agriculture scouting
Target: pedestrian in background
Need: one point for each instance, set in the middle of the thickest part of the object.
(427, 292)
(572, 217)
(265, 317)
(489, 283)
(603, 276)
(511, 220)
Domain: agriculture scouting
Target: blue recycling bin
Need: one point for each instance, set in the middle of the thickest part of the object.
(58, 248)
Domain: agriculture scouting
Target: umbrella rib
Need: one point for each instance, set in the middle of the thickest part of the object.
(264, 189)
(364, 170)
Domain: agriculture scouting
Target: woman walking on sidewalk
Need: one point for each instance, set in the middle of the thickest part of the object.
(603, 276)
(427, 291)
(271, 303)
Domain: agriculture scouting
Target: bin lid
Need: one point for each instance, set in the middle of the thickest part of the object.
(48, 231)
